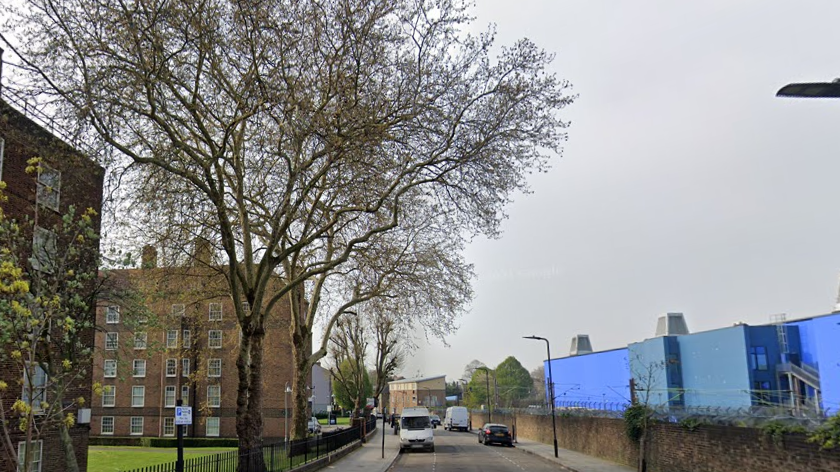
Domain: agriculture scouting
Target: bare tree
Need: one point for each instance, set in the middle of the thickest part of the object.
(348, 348)
(290, 133)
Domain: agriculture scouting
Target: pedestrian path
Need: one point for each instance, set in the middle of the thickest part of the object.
(369, 457)
(570, 460)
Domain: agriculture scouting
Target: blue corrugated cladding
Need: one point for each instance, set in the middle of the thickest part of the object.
(600, 378)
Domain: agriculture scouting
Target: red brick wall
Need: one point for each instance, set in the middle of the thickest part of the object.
(673, 448)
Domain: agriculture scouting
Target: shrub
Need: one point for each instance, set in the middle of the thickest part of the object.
(636, 418)
(827, 435)
(776, 430)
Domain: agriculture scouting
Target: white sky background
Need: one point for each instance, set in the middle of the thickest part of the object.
(686, 185)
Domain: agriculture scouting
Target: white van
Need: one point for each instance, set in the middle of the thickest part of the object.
(416, 429)
(457, 417)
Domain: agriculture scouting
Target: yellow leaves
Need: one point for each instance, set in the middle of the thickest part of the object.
(21, 407)
(11, 279)
(97, 389)
(20, 310)
(66, 364)
(33, 165)
(16, 355)
(3, 386)
(80, 239)
(80, 401)
(69, 420)
(71, 273)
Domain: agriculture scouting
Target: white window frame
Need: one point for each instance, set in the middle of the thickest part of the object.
(133, 423)
(169, 426)
(134, 396)
(46, 190)
(178, 309)
(138, 368)
(112, 341)
(169, 396)
(109, 392)
(37, 458)
(112, 314)
(186, 337)
(214, 367)
(171, 367)
(217, 397)
(185, 394)
(109, 368)
(213, 341)
(44, 250)
(185, 367)
(141, 340)
(172, 339)
(102, 430)
(215, 312)
(38, 394)
(212, 425)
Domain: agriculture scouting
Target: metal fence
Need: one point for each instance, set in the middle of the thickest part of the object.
(275, 457)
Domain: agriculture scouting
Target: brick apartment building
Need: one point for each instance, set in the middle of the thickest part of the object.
(181, 342)
(68, 177)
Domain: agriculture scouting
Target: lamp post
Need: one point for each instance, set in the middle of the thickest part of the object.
(489, 404)
(463, 385)
(811, 90)
(286, 409)
(551, 386)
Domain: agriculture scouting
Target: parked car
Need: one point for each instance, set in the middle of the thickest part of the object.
(435, 421)
(416, 430)
(495, 433)
(314, 426)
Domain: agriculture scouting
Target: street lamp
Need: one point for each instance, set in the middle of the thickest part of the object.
(551, 384)
(811, 90)
(463, 385)
(286, 393)
(489, 404)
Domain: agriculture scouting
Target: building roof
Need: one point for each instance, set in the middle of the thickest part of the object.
(416, 380)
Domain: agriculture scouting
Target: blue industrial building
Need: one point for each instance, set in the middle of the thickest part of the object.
(792, 364)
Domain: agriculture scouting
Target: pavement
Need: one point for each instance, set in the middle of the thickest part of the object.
(368, 458)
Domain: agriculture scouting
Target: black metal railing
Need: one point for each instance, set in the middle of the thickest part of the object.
(275, 457)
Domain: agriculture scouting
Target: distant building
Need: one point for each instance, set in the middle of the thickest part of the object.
(68, 177)
(182, 342)
(321, 396)
(424, 391)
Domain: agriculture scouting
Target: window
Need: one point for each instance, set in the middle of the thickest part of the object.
(43, 250)
(762, 391)
(212, 426)
(139, 368)
(178, 309)
(137, 425)
(112, 315)
(185, 394)
(172, 339)
(758, 358)
(107, 425)
(35, 459)
(214, 396)
(171, 367)
(34, 390)
(187, 337)
(169, 426)
(111, 341)
(215, 312)
(185, 367)
(109, 395)
(214, 367)
(169, 396)
(49, 187)
(138, 396)
(140, 340)
(214, 339)
(110, 368)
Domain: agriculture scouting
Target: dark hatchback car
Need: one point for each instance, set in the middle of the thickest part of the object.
(494, 433)
(435, 421)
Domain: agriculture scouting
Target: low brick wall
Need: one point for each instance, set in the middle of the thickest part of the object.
(673, 448)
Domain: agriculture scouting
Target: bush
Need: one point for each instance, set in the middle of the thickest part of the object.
(827, 435)
(776, 430)
(162, 442)
(636, 418)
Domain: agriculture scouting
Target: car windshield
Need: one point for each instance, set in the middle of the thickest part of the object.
(416, 422)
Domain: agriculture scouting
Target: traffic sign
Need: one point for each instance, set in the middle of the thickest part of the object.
(183, 415)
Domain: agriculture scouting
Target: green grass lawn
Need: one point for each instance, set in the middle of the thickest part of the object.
(118, 458)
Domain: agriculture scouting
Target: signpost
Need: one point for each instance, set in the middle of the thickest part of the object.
(183, 416)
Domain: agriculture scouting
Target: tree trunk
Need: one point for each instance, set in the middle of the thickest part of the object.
(249, 420)
(299, 392)
(70, 463)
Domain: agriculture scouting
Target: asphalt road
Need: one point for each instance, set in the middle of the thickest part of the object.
(461, 452)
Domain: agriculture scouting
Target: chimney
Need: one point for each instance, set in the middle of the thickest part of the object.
(671, 324)
(148, 259)
(203, 252)
(580, 345)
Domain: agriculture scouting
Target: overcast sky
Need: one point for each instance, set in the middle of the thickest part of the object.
(686, 185)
